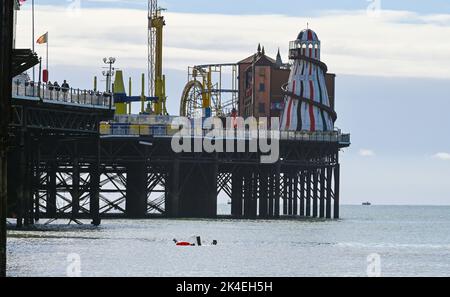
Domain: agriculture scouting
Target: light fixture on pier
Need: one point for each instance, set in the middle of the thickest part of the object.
(109, 73)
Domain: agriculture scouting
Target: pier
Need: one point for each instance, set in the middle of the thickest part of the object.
(68, 153)
(80, 174)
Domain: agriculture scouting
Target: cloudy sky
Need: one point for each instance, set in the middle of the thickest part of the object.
(392, 60)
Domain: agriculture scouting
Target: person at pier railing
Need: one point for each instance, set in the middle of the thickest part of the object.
(65, 88)
(56, 86)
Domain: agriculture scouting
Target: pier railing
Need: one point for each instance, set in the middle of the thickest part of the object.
(61, 95)
(160, 130)
(318, 136)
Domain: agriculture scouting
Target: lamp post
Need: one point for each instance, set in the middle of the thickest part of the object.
(109, 73)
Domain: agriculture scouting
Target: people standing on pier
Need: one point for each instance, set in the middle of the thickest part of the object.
(57, 89)
(50, 86)
(65, 88)
(56, 86)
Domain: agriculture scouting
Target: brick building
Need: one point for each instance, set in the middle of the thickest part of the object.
(264, 98)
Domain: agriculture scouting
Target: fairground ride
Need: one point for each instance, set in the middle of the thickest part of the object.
(211, 90)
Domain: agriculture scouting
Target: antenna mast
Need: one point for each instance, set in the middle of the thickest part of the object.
(156, 80)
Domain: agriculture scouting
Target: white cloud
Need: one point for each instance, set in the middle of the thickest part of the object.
(366, 153)
(397, 43)
(442, 156)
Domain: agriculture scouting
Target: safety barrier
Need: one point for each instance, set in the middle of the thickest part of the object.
(61, 95)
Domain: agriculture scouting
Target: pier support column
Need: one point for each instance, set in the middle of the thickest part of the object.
(291, 194)
(295, 193)
(94, 194)
(254, 195)
(21, 182)
(263, 193)
(336, 190)
(212, 196)
(302, 193)
(322, 193)
(329, 180)
(236, 194)
(75, 189)
(27, 196)
(247, 194)
(136, 200)
(198, 190)
(315, 192)
(51, 190)
(6, 40)
(285, 193)
(277, 189)
(37, 182)
(270, 192)
(28, 189)
(3, 205)
(308, 193)
(173, 191)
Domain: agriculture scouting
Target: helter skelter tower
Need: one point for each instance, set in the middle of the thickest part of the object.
(307, 105)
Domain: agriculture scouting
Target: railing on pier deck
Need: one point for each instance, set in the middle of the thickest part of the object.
(61, 95)
(160, 127)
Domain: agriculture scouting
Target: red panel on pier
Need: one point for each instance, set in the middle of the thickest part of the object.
(45, 75)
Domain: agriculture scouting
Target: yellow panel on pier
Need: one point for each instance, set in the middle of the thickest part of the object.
(119, 89)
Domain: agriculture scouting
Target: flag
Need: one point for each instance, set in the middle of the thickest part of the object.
(42, 39)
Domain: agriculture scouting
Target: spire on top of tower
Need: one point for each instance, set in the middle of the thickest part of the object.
(279, 61)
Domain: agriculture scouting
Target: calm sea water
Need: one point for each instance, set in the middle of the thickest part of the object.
(411, 241)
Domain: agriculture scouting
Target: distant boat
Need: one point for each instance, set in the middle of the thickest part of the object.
(367, 203)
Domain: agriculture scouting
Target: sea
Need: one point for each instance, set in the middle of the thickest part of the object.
(367, 241)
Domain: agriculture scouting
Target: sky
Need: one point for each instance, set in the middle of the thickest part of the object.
(392, 60)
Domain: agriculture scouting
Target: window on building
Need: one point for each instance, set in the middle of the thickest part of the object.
(248, 79)
(262, 108)
(262, 87)
(262, 71)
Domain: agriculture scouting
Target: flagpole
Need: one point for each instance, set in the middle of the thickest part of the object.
(48, 73)
(32, 33)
